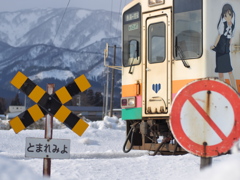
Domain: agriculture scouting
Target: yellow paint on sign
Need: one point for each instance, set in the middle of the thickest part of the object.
(63, 95)
(62, 113)
(19, 80)
(35, 112)
(36, 94)
(16, 124)
(82, 83)
(80, 127)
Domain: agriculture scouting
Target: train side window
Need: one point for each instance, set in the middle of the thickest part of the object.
(157, 43)
(188, 29)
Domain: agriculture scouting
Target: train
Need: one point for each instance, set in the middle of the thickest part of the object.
(167, 44)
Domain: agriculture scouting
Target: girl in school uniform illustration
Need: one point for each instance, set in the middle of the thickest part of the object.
(221, 46)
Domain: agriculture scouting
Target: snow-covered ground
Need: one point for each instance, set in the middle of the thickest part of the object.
(97, 155)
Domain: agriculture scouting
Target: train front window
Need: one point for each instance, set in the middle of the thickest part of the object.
(188, 29)
(131, 36)
(157, 47)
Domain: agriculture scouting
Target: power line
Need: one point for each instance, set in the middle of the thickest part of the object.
(119, 19)
(61, 21)
(111, 16)
(120, 7)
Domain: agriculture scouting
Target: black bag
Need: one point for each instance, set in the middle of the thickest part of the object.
(222, 46)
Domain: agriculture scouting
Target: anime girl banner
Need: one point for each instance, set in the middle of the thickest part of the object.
(225, 33)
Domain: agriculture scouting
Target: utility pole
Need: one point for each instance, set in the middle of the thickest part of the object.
(104, 102)
(113, 67)
(113, 82)
(106, 95)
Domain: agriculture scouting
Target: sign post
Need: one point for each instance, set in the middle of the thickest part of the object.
(48, 134)
(205, 118)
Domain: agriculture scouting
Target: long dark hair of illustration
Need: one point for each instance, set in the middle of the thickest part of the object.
(225, 9)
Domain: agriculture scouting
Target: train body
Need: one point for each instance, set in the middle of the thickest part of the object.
(167, 44)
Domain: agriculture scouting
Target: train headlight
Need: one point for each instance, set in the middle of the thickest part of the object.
(155, 2)
(128, 102)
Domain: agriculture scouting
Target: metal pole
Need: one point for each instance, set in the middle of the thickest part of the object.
(48, 134)
(205, 162)
(106, 104)
(112, 85)
(104, 101)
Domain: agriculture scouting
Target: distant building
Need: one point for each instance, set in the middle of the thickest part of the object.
(92, 113)
(15, 109)
(89, 112)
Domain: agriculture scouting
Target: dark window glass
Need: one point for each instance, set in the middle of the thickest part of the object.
(188, 29)
(132, 36)
(157, 43)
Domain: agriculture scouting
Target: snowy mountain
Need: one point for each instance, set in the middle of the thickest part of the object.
(48, 47)
(76, 30)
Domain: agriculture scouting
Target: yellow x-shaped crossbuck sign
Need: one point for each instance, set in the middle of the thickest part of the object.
(49, 104)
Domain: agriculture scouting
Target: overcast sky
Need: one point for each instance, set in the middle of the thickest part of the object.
(13, 5)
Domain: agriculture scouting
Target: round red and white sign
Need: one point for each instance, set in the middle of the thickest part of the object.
(205, 117)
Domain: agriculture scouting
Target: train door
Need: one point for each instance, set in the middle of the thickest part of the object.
(157, 66)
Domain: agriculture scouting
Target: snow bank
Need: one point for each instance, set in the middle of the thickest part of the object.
(40, 124)
(227, 168)
(98, 155)
(108, 123)
(4, 124)
(13, 170)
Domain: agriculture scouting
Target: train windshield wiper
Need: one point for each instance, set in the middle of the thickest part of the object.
(131, 65)
(181, 54)
(133, 52)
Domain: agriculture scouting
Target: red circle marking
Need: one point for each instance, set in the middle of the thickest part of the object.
(186, 94)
